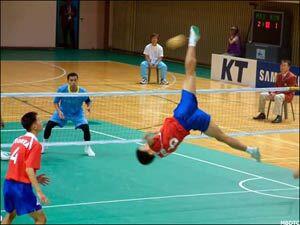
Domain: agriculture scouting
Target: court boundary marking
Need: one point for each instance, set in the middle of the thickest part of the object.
(39, 81)
(242, 182)
(127, 141)
(224, 167)
(202, 136)
(161, 197)
(235, 170)
(203, 161)
(245, 190)
(80, 61)
(11, 60)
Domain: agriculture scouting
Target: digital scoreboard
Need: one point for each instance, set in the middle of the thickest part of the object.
(267, 27)
(270, 36)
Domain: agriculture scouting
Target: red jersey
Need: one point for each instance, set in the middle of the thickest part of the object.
(25, 153)
(170, 136)
(286, 80)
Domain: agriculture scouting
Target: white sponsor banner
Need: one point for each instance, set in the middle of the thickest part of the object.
(233, 70)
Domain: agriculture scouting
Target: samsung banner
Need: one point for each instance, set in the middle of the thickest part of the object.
(267, 72)
(253, 73)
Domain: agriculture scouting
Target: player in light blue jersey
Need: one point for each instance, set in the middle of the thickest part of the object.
(70, 108)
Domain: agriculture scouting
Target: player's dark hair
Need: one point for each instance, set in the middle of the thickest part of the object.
(72, 75)
(144, 157)
(286, 61)
(28, 119)
(154, 35)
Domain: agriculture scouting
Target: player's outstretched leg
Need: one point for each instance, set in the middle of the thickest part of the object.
(9, 217)
(39, 217)
(47, 133)
(189, 83)
(214, 131)
(87, 137)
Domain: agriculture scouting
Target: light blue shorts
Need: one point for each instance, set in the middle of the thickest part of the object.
(77, 119)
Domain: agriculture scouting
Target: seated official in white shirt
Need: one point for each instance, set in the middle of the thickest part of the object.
(153, 54)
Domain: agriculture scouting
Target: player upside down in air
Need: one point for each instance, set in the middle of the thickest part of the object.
(187, 116)
(70, 108)
(25, 160)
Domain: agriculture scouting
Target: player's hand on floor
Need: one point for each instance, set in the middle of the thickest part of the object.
(43, 180)
(43, 198)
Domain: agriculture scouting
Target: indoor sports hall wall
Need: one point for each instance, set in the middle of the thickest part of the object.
(28, 23)
(132, 22)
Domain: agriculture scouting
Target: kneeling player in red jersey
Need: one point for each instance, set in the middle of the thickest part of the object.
(24, 161)
(187, 116)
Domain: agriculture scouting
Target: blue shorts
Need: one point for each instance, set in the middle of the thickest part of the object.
(189, 115)
(77, 119)
(20, 197)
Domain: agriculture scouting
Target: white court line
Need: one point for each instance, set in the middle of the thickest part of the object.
(236, 134)
(235, 170)
(218, 165)
(214, 164)
(116, 117)
(163, 87)
(39, 81)
(241, 184)
(76, 61)
(57, 61)
(280, 158)
(170, 85)
(56, 128)
(16, 130)
(279, 131)
(119, 138)
(105, 134)
(161, 197)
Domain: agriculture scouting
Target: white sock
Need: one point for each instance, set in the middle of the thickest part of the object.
(193, 38)
(43, 146)
(250, 150)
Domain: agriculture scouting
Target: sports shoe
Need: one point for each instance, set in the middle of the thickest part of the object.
(260, 116)
(5, 155)
(89, 151)
(278, 119)
(194, 35)
(144, 81)
(255, 154)
(164, 82)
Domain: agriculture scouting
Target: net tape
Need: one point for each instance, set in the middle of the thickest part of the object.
(144, 93)
(141, 141)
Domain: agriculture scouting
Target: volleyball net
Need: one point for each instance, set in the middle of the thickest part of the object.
(124, 117)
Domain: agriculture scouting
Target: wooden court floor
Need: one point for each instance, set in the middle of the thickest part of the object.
(42, 76)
